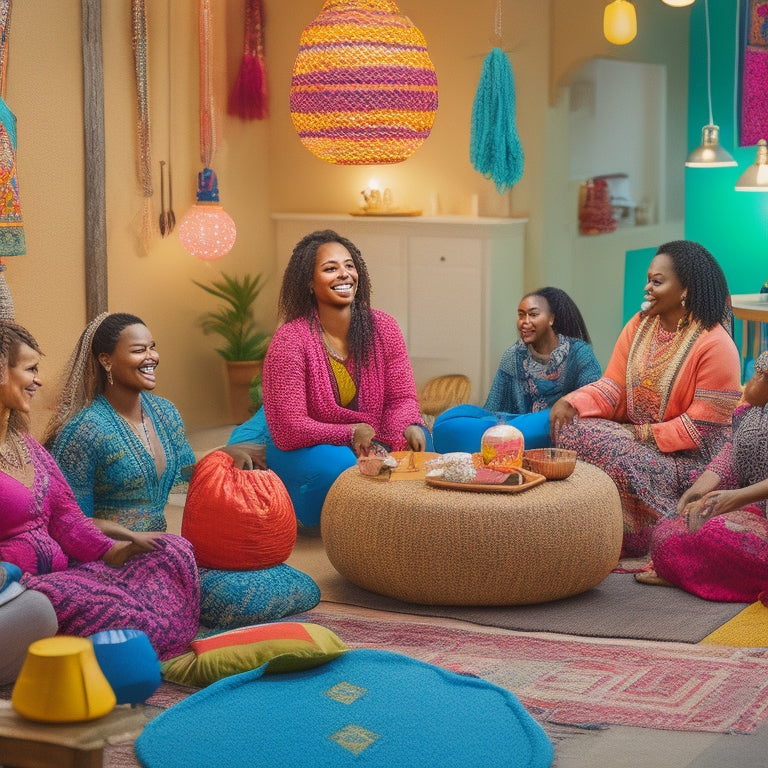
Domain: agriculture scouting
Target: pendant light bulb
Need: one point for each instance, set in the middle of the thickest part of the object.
(755, 178)
(620, 22)
(709, 154)
(206, 229)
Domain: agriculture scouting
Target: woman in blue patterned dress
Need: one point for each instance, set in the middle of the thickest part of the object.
(552, 357)
(121, 447)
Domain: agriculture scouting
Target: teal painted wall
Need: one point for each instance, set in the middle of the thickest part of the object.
(732, 225)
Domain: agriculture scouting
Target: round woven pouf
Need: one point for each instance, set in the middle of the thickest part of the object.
(421, 544)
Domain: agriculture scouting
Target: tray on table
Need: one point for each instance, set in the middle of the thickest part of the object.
(529, 480)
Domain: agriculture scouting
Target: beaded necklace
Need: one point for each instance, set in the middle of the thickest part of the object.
(14, 454)
(145, 441)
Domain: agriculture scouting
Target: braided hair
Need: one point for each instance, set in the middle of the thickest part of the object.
(703, 280)
(296, 300)
(12, 338)
(84, 377)
(568, 319)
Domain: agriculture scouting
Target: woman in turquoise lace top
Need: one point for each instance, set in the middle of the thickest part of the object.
(121, 448)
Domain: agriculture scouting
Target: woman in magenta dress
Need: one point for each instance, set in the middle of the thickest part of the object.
(717, 545)
(94, 582)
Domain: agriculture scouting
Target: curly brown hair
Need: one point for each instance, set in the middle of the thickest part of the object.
(702, 278)
(296, 300)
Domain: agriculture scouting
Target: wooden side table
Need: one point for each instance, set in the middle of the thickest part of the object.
(750, 308)
(26, 744)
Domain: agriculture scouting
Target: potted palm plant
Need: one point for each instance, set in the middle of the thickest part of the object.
(244, 343)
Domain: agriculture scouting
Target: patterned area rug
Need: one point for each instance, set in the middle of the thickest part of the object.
(589, 683)
(567, 684)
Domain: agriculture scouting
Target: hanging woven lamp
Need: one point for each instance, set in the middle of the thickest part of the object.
(364, 90)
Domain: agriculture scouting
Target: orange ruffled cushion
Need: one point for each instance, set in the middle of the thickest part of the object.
(237, 519)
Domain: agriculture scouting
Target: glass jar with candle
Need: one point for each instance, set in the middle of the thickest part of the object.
(502, 447)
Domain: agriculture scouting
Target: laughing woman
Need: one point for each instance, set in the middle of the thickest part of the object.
(93, 581)
(336, 376)
(121, 447)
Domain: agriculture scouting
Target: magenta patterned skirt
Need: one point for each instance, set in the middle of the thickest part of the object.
(725, 560)
(157, 593)
(649, 482)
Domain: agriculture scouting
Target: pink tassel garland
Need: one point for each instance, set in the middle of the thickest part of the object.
(248, 99)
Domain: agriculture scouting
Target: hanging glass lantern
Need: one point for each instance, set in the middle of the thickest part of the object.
(364, 90)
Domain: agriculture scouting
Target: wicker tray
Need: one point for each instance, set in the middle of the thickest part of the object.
(530, 480)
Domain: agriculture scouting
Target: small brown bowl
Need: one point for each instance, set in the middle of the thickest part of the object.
(553, 463)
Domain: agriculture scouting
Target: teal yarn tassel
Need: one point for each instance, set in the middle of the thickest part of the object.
(495, 149)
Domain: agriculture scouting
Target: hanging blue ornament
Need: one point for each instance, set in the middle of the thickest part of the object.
(495, 149)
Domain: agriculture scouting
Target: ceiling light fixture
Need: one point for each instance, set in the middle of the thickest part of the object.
(755, 178)
(709, 154)
(620, 22)
(677, 3)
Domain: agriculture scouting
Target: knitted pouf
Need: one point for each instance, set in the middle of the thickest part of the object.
(429, 545)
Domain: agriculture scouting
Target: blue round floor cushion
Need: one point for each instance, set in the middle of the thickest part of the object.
(230, 599)
(365, 708)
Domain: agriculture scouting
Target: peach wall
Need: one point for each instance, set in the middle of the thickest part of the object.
(262, 166)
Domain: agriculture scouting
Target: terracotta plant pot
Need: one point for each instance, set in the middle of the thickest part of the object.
(240, 374)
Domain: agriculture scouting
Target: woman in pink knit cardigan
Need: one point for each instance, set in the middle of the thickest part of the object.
(336, 376)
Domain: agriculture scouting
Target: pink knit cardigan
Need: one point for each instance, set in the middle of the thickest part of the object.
(299, 401)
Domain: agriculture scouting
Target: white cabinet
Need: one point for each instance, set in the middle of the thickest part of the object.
(453, 283)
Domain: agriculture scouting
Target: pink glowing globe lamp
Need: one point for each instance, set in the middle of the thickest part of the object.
(207, 230)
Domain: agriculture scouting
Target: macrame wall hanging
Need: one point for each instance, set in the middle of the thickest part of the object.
(495, 149)
(139, 45)
(207, 230)
(248, 98)
(12, 241)
(364, 90)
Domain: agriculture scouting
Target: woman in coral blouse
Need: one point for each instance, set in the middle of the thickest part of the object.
(662, 410)
(336, 376)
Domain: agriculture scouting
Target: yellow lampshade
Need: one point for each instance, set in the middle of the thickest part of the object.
(620, 22)
(61, 682)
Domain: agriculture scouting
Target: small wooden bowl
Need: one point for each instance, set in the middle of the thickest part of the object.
(553, 463)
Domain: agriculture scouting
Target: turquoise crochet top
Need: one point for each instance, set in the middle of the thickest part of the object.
(111, 473)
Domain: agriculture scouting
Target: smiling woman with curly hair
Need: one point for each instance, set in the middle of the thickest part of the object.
(336, 376)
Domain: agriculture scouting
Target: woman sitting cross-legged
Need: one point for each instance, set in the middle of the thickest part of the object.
(121, 447)
(93, 581)
(663, 408)
(552, 357)
(336, 376)
(717, 546)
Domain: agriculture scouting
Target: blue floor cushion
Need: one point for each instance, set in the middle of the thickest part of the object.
(365, 708)
(230, 599)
